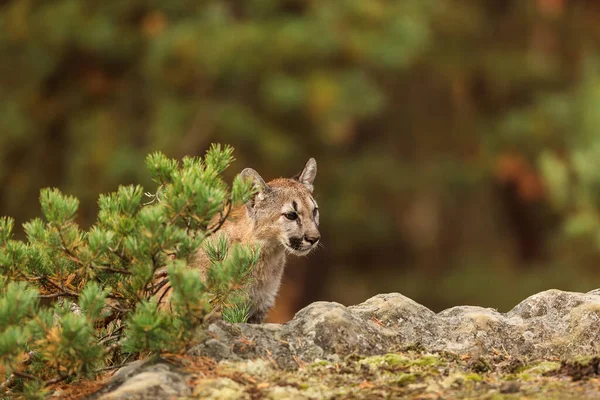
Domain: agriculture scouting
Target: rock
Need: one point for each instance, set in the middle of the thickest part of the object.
(509, 387)
(546, 325)
(145, 379)
(220, 389)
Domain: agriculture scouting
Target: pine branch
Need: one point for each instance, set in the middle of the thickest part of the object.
(112, 336)
(222, 219)
(25, 376)
(72, 256)
(56, 379)
(61, 288)
(7, 383)
(112, 317)
(119, 255)
(107, 267)
(156, 288)
(56, 295)
(113, 367)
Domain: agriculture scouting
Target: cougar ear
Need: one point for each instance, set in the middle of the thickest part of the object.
(259, 183)
(308, 174)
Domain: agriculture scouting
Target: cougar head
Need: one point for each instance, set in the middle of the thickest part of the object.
(284, 210)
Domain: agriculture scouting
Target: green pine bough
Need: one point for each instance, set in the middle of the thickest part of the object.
(76, 302)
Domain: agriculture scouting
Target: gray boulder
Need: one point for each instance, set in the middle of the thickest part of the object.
(546, 325)
(549, 324)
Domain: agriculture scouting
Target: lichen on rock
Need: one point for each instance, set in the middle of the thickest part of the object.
(392, 340)
(548, 324)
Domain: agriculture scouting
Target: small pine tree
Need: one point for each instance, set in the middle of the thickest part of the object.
(74, 302)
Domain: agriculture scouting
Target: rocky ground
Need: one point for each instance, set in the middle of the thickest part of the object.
(386, 347)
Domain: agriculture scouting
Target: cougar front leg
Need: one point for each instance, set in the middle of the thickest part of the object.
(258, 317)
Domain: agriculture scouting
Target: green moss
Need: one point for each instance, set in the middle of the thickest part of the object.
(583, 361)
(524, 376)
(408, 375)
(539, 368)
(395, 359)
(429, 360)
(391, 359)
(474, 377)
(320, 363)
(404, 379)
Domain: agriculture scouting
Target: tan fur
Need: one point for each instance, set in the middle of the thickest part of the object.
(262, 222)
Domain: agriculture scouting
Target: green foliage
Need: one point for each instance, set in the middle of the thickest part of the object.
(216, 248)
(230, 267)
(408, 106)
(92, 301)
(190, 299)
(226, 276)
(238, 310)
(167, 76)
(73, 302)
(6, 227)
(571, 174)
(149, 329)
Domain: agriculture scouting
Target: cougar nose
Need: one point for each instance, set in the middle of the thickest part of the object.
(312, 239)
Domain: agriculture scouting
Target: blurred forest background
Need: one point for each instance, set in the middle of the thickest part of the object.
(458, 141)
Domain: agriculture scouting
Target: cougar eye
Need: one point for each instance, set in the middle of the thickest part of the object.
(315, 211)
(291, 215)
